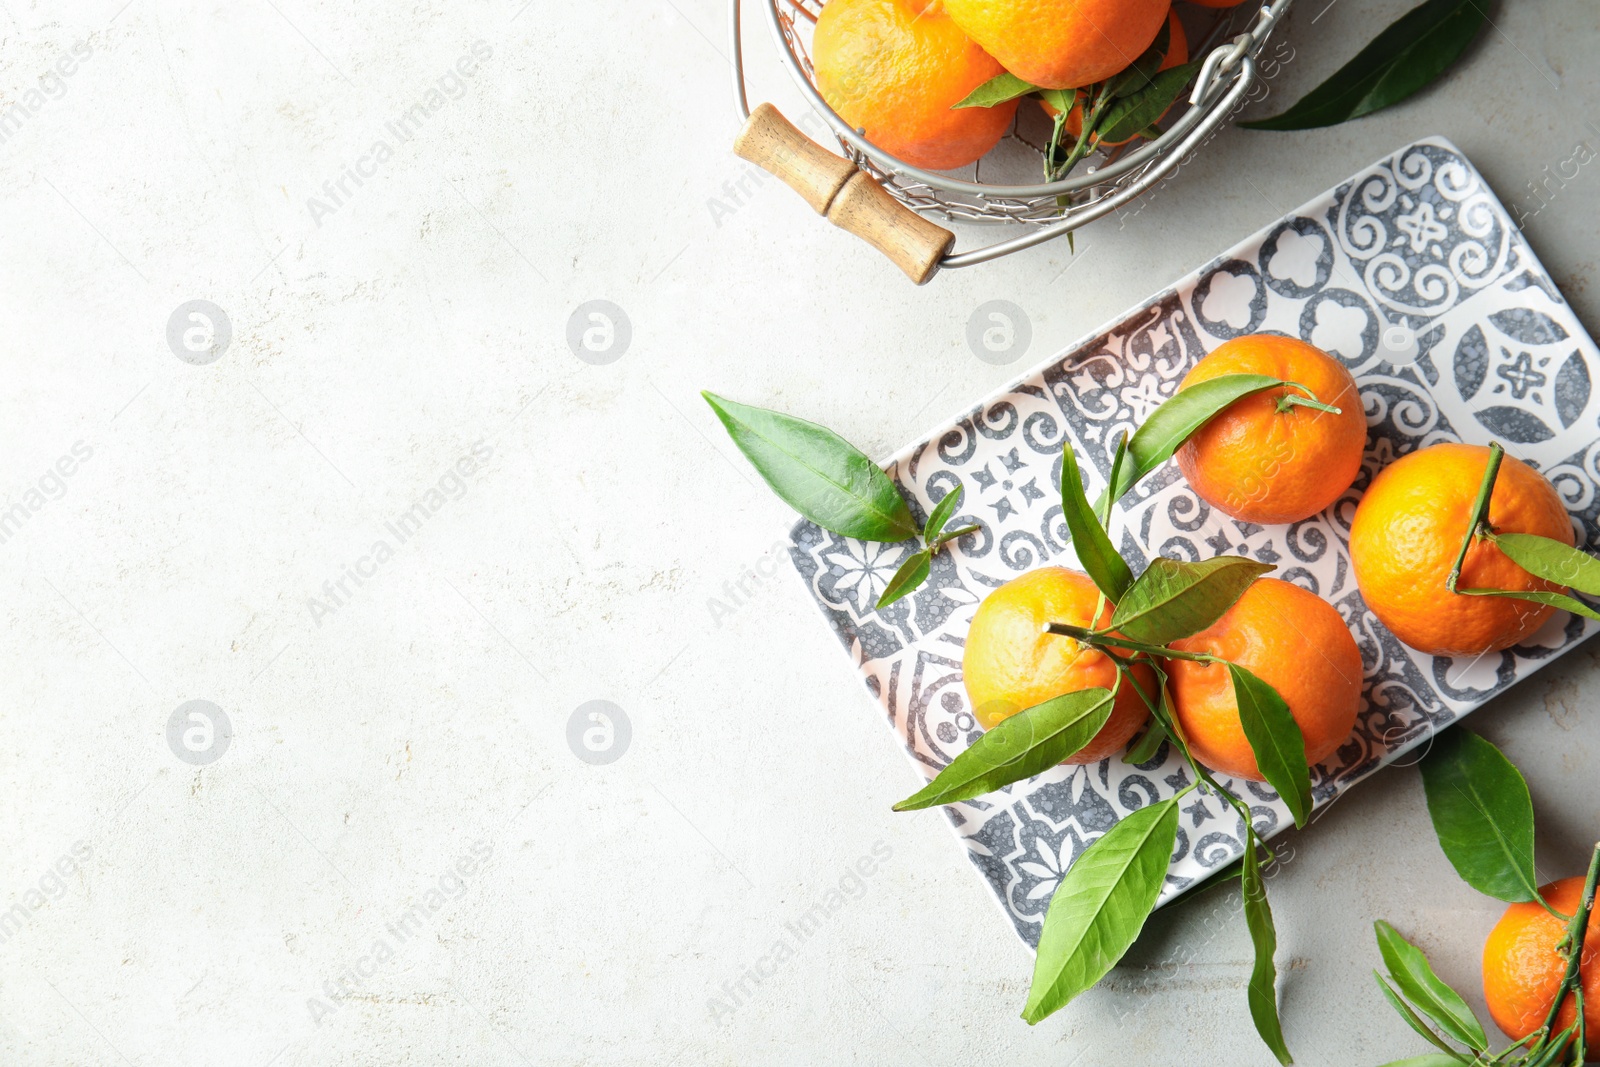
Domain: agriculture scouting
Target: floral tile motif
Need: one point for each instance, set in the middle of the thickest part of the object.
(1410, 273)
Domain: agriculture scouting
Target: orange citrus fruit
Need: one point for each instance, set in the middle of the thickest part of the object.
(1294, 641)
(1408, 529)
(1011, 664)
(1522, 970)
(1177, 55)
(1262, 459)
(894, 68)
(1061, 44)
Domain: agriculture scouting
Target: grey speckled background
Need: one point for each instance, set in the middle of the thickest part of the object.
(398, 859)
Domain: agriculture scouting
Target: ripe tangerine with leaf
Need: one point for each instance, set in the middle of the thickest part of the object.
(1522, 969)
(895, 68)
(1291, 639)
(1267, 457)
(1010, 664)
(1408, 530)
(1177, 54)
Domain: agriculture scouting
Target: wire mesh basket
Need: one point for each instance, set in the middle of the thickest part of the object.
(892, 202)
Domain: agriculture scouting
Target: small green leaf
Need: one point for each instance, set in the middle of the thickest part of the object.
(1169, 426)
(1409, 969)
(1482, 813)
(912, 573)
(1263, 988)
(1018, 747)
(1099, 556)
(818, 473)
(997, 90)
(942, 511)
(1102, 510)
(1063, 100)
(1538, 596)
(1415, 1022)
(1413, 51)
(1100, 906)
(1275, 738)
(1432, 1059)
(1144, 750)
(1547, 558)
(1174, 599)
(1126, 117)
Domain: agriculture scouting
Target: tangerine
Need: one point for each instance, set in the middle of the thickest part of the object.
(1011, 664)
(1291, 639)
(895, 68)
(1406, 534)
(1522, 969)
(1265, 458)
(1177, 55)
(1061, 44)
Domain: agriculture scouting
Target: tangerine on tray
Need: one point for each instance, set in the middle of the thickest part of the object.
(1406, 534)
(1291, 639)
(1010, 663)
(1522, 970)
(894, 68)
(1061, 44)
(1264, 458)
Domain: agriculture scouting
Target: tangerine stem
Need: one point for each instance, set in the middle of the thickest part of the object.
(1289, 400)
(1095, 637)
(1480, 512)
(1572, 945)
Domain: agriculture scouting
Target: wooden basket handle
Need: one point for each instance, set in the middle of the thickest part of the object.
(847, 195)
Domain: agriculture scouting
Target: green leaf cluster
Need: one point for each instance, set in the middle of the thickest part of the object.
(835, 485)
(1483, 817)
(1126, 105)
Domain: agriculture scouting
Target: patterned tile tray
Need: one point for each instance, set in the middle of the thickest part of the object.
(1411, 273)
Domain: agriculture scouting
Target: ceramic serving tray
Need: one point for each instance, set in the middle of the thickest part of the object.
(1415, 277)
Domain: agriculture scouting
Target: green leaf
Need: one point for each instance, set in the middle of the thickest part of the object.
(997, 90)
(1547, 558)
(1483, 815)
(1141, 70)
(1102, 510)
(1174, 599)
(1099, 556)
(1021, 746)
(912, 573)
(818, 473)
(1100, 906)
(1169, 426)
(1415, 1022)
(1538, 596)
(1063, 100)
(1275, 738)
(1413, 51)
(1409, 970)
(1127, 116)
(1263, 989)
(942, 511)
(1432, 1059)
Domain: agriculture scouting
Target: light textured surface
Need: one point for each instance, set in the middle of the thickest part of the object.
(210, 912)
